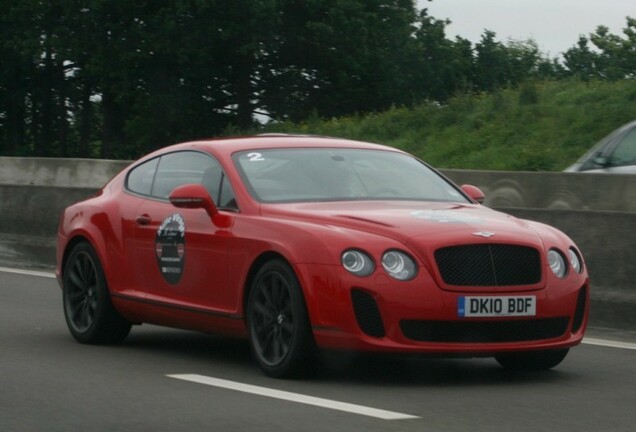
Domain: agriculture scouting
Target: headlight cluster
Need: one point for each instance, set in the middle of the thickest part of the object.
(358, 263)
(559, 264)
(397, 264)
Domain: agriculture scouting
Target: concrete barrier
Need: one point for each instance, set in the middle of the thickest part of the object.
(598, 211)
(33, 193)
(552, 190)
(58, 173)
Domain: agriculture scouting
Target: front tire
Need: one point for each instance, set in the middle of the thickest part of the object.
(279, 330)
(90, 315)
(532, 360)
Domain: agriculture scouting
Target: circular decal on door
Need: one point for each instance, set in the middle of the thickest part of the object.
(170, 247)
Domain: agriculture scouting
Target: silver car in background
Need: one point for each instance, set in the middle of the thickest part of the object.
(614, 154)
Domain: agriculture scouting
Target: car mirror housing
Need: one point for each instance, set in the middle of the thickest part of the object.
(601, 161)
(195, 196)
(474, 193)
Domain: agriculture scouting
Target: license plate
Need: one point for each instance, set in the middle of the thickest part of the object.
(496, 306)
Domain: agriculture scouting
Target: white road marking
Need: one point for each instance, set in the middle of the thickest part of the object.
(28, 272)
(294, 397)
(609, 343)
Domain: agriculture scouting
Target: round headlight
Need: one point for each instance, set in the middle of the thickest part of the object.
(399, 265)
(575, 260)
(557, 263)
(358, 263)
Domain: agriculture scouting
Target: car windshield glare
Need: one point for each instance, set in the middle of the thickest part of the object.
(329, 174)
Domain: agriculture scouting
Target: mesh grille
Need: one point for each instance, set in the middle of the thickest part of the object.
(367, 313)
(484, 331)
(489, 265)
(579, 312)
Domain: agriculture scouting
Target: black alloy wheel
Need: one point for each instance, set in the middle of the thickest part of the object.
(89, 313)
(279, 330)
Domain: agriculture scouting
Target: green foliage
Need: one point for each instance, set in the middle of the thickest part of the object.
(116, 79)
(541, 126)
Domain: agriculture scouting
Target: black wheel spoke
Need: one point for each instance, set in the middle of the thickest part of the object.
(275, 287)
(268, 342)
(265, 291)
(76, 295)
(82, 319)
(287, 328)
(263, 312)
(271, 313)
(76, 279)
(82, 292)
(277, 320)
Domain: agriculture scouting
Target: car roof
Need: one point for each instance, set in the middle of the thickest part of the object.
(228, 146)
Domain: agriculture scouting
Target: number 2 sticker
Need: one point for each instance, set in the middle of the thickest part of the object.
(255, 157)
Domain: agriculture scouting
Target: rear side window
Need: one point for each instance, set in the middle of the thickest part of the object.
(140, 178)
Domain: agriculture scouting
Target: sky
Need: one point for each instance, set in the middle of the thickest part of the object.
(554, 24)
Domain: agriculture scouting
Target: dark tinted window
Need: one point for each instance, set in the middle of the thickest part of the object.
(140, 177)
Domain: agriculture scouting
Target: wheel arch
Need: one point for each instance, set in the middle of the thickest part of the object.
(79, 238)
(70, 245)
(259, 262)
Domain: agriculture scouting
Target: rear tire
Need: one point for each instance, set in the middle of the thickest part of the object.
(278, 324)
(90, 315)
(532, 360)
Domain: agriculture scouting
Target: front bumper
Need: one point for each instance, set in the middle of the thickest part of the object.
(380, 314)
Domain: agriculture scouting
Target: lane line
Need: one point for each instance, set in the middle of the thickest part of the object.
(28, 272)
(294, 397)
(609, 343)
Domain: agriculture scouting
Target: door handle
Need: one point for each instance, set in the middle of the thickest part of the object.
(143, 219)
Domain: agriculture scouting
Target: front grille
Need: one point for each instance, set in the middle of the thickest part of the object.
(579, 312)
(489, 265)
(484, 331)
(367, 313)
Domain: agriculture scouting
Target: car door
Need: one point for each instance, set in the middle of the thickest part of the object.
(180, 255)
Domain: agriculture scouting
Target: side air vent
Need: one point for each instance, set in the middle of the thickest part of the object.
(367, 313)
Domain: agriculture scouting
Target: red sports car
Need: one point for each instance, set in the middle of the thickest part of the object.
(300, 243)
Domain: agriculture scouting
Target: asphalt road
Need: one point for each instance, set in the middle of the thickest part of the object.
(48, 382)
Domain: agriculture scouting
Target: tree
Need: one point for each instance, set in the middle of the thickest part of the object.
(610, 57)
(581, 61)
(444, 66)
(337, 57)
(491, 63)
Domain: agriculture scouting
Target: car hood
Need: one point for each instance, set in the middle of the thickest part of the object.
(408, 221)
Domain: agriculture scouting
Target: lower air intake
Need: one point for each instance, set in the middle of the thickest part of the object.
(484, 331)
(367, 313)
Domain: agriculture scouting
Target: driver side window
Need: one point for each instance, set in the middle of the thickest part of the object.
(179, 168)
(625, 151)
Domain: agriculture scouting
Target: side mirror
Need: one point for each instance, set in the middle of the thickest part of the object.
(601, 161)
(474, 193)
(195, 196)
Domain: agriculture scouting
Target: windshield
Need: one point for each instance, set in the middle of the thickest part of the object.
(329, 174)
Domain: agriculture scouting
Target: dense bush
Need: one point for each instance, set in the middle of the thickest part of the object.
(540, 126)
